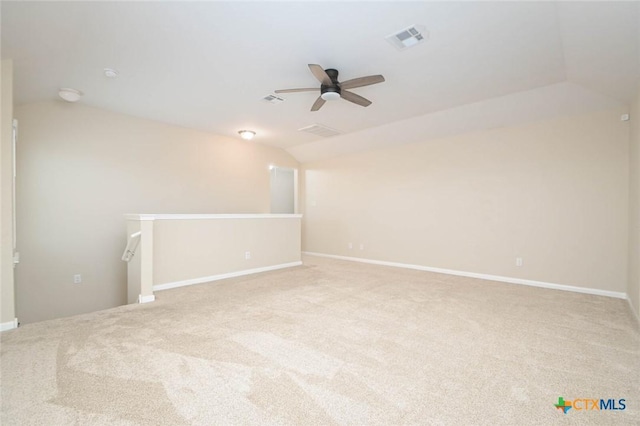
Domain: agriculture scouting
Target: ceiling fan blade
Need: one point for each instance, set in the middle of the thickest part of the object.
(362, 81)
(308, 89)
(320, 74)
(318, 104)
(356, 99)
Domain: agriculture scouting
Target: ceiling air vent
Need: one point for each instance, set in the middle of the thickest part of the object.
(274, 99)
(408, 37)
(320, 130)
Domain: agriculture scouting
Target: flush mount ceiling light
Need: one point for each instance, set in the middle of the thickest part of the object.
(111, 73)
(70, 95)
(247, 134)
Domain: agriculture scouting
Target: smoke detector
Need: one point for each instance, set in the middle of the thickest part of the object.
(111, 73)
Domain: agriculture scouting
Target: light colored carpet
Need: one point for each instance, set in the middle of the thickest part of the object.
(330, 342)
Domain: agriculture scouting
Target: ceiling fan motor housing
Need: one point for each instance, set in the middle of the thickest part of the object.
(331, 91)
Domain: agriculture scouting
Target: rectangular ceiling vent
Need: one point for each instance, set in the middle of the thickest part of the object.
(273, 99)
(320, 130)
(408, 37)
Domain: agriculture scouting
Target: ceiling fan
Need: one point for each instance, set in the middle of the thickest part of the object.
(331, 88)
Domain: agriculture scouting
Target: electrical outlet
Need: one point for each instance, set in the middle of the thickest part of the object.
(350, 246)
(247, 255)
(518, 261)
(361, 246)
(77, 279)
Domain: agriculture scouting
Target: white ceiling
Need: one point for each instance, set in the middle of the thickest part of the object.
(206, 65)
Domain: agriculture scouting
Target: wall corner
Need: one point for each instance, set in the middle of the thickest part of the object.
(7, 290)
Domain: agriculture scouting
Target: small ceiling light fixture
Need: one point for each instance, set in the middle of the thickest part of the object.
(70, 95)
(247, 134)
(111, 73)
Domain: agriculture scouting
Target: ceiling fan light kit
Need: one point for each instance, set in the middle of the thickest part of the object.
(330, 95)
(332, 89)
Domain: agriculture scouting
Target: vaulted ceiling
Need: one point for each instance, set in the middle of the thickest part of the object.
(207, 65)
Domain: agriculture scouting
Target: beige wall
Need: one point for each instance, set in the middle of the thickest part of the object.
(634, 206)
(554, 193)
(192, 249)
(7, 308)
(81, 168)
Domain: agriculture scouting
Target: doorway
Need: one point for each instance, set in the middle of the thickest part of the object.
(284, 190)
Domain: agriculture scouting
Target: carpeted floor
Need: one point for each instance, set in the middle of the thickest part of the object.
(330, 342)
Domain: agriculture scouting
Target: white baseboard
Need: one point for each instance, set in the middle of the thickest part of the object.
(9, 325)
(146, 299)
(201, 280)
(633, 309)
(563, 287)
